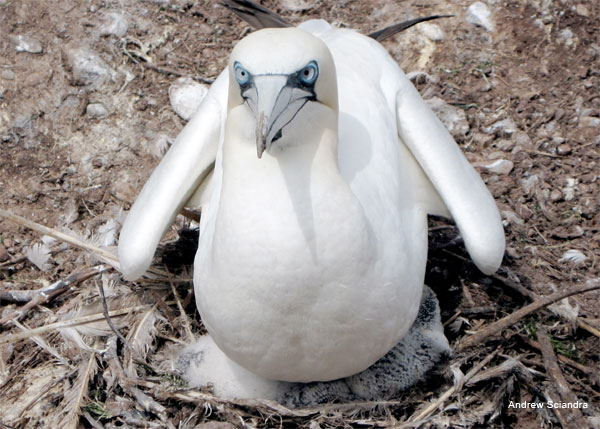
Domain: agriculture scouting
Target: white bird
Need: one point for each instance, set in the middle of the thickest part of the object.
(315, 163)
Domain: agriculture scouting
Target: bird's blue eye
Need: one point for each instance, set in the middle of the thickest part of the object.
(241, 74)
(308, 74)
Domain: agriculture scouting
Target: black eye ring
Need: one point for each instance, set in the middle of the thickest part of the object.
(308, 75)
(241, 74)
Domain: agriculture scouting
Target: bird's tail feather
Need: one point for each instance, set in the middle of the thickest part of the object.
(260, 17)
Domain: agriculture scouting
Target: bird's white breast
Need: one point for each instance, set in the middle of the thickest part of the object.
(294, 284)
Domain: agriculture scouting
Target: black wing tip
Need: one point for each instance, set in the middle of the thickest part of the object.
(397, 28)
(254, 14)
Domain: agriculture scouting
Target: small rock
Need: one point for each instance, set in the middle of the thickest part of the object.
(7, 74)
(555, 195)
(495, 155)
(297, 5)
(96, 110)
(558, 114)
(432, 31)
(115, 24)
(523, 139)
(566, 37)
(582, 10)
(504, 127)
(421, 77)
(93, 8)
(500, 166)
(3, 254)
(512, 252)
(27, 44)
(87, 67)
(505, 145)
(590, 207)
(569, 190)
(524, 212)
(565, 34)
(124, 190)
(563, 149)
(529, 183)
(479, 14)
(567, 233)
(185, 96)
(453, 118)
(558, 139)
(482, 140)
(589, 121)
(511, 217)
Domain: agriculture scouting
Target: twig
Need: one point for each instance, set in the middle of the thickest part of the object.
(532, 296)
(573, 416)
(552, 396)
(584, 325)
(107, 256)
(190, 214)
(186, 323)
(108, 319)
(592, 373)
(500, 325)
(104, 254)
(6, 265)
(18, 296)
(436, 404)
(71, 322)
(48, 293)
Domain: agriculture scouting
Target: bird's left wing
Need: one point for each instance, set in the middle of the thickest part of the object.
(180, 173)
(460, 187)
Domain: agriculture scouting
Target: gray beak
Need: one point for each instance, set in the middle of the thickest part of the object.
(275, 104)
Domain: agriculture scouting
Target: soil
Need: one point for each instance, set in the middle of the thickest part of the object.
(530, 90)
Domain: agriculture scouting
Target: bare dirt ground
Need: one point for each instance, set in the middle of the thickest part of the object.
(530, 92)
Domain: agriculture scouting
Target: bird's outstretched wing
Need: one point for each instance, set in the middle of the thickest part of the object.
(465, 195)
(179, 175)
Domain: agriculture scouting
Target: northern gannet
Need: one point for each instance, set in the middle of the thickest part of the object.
(315, 163)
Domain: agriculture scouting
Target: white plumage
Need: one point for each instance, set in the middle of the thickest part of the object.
(312, 254)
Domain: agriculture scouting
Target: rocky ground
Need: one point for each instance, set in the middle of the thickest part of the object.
(87, 90)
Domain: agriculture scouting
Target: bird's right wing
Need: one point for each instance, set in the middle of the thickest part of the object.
(183, 170)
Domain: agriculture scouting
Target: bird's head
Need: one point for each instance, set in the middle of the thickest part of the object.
(277, 72)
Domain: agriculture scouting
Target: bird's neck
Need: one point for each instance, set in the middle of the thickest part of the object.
(296, 192)
(308, 144)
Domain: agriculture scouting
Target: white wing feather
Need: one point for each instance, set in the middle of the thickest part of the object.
(173, 182)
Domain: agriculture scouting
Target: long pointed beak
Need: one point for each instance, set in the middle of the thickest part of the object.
(275, 105)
